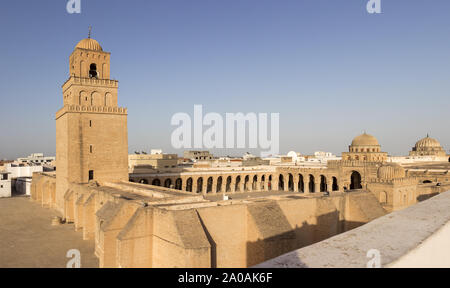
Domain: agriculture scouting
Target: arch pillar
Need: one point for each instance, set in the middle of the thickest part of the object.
(214, 185)
(296, 179)
(286, 182)
(330, 184)
(317, 184)
(233, 185)
(242, 185)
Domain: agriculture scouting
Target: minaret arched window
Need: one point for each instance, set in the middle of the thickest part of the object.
(93, 71)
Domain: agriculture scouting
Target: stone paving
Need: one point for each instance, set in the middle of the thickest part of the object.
(28, 239)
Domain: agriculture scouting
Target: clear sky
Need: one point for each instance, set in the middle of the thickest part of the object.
(327, 66)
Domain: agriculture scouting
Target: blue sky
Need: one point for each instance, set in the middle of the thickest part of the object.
(327, 66)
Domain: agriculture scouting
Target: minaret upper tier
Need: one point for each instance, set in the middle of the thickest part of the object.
(89, 83)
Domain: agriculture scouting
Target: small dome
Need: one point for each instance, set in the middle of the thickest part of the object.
(365, 140)
(89, 44)
(391, 171)
(428, 142)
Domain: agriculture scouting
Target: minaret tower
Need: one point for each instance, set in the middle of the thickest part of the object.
(91, 130)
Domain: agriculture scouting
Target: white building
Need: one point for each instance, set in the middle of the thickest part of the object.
(18, 171)
(21, 175)
(5, 184)
(36, 158)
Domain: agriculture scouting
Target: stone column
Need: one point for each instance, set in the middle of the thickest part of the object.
(330, 185)
(296, 180)
(241, 186)
(306, 185)
(317, 185)
(184, 184)
(286, 182)
(224, 185)
(194, 185)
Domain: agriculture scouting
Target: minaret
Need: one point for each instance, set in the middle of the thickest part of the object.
(91, 130)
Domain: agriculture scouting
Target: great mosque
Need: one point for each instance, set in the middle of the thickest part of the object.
(177, 217)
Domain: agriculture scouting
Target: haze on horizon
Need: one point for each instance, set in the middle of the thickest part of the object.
(328, 67)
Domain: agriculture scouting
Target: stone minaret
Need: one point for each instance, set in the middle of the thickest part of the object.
(91, 130)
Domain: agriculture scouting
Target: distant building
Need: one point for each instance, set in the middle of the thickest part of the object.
(153, 161)
(198, 155)
(21, 175)
(36, 158)
(5, 184)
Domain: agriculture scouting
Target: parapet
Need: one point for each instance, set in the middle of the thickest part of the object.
(417, 236)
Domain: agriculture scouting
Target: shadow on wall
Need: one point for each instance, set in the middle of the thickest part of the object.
(426, 197)
(327, 225)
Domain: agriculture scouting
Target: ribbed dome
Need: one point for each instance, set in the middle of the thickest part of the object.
(365, 140)
(428, 142)
(89, 44)
(391, 171)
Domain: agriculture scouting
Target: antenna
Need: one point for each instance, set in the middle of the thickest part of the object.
(90, 31)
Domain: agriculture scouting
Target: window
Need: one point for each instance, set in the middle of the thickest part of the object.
(91, 175)
(90, 148)
(90, 123)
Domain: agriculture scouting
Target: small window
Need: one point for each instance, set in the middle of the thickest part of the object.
(90, 123)
(90, 148)
(91, 175)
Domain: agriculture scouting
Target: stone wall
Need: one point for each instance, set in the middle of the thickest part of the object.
(138, 225)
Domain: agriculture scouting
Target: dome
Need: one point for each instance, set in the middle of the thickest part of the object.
(365, 140)
(391, 171)
(89, 44)
(428, 142)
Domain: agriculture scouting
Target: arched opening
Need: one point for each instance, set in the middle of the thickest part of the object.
(335, 184)
(323, 183)
(427, 182)
(255, 183)
(93, 71)
(263, 182)
(269, 184)
(301, 183)
(312, 184)
(143, 181)
(189, 185)
(199, 185)
(219, 184)
(281, 183)
(228, 185)
(238, 182)
(209, 185)
(246, 181)
(156, 182)
(291, 182)
(178, 184)
(168, 183)
(355, 181)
